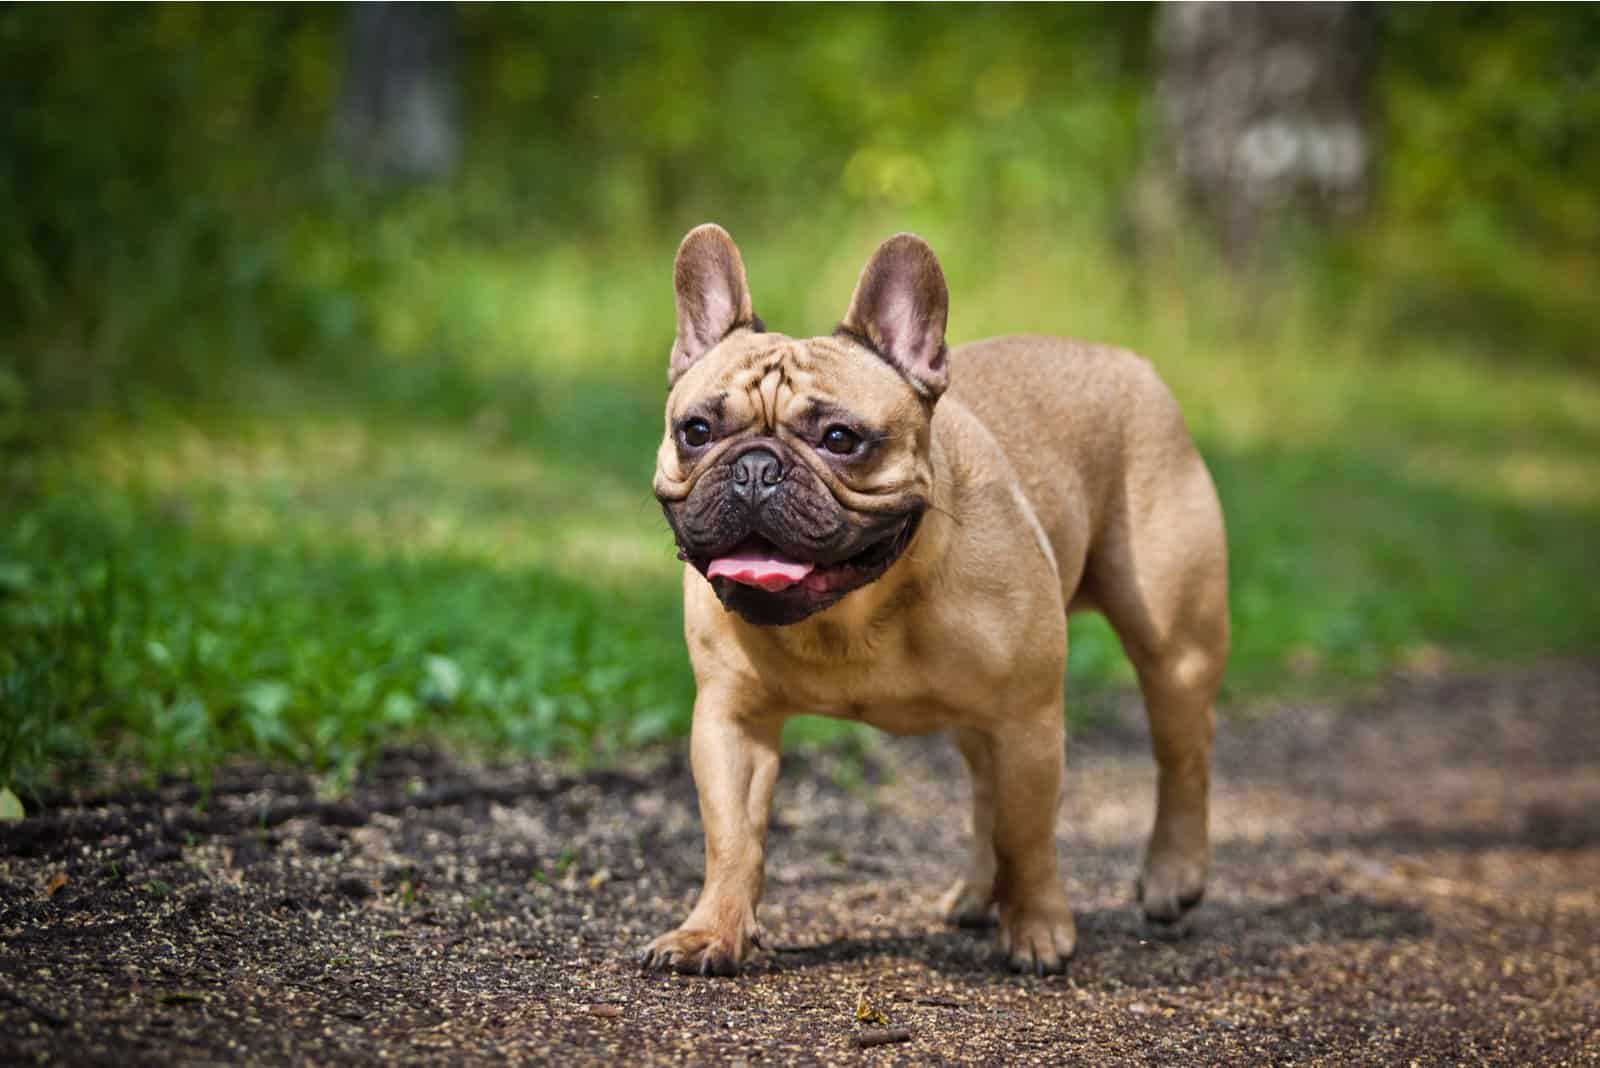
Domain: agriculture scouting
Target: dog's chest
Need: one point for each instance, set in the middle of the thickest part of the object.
(890, 683)
(893, 701)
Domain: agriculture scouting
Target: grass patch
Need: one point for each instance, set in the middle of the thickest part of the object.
(449, 531)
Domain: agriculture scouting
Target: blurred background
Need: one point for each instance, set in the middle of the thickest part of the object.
(334, 339)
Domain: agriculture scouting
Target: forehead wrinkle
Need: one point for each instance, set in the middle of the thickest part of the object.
(770, 376)
(754, 364)
(743, 374)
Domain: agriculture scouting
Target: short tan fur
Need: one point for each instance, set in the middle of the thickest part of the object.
(1022, 477)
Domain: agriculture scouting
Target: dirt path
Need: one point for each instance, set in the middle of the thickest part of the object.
(1410, 878)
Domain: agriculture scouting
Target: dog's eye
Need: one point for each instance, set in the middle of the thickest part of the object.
(695, 433)
(841, 441)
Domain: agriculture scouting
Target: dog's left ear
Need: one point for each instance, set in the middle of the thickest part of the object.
(712, 295)
(899, 310)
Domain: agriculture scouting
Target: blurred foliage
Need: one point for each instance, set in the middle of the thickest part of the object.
(152, 169)
(295, 466)
(1490, 221)
(160, 160)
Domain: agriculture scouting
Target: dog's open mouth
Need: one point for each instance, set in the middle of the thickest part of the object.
(758, 563)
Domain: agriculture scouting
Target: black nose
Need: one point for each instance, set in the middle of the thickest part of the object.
(756, 473)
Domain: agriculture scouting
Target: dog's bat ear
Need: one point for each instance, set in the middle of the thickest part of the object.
(712, 295)
(899, 310)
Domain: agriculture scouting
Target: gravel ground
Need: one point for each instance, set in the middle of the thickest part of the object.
(1408, 877)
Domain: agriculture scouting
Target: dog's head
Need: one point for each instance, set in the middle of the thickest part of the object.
(795, 470)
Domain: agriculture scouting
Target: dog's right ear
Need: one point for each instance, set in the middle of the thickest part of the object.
(712, 296)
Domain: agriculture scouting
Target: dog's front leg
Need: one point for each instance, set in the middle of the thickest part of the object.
(968, 901)
(734, 753)
(1036, 929)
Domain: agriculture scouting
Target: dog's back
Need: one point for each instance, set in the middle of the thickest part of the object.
(1103, 455)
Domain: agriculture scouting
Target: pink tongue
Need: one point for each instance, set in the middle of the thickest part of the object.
(754, 568)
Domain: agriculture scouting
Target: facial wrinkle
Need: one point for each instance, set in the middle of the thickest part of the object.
(774, 380)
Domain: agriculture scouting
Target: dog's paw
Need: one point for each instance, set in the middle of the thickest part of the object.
(968, 903)
(697, 951)
(1038, 941)
(1167, 891)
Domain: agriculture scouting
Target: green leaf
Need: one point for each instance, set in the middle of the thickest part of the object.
(10, 806)
(266, 699)
(443, 682)
(399, 709)
(15, 577)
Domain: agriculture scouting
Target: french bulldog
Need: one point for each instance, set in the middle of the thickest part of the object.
(877, 528)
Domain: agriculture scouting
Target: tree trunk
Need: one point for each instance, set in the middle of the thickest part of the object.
(1266, 108)
(397, 115)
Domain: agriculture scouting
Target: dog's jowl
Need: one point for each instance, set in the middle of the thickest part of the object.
(877, 526)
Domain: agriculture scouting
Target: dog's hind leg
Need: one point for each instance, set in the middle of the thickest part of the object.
(1159, 573)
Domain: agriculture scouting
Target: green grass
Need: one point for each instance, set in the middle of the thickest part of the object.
(443, 528)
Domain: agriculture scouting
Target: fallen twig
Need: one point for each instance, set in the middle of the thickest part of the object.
(882, 1036)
